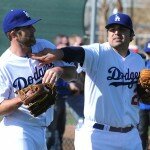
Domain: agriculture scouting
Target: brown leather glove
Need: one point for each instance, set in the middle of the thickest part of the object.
(143, 87)
(38, 98)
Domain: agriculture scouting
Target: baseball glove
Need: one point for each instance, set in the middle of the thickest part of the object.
(38, 98)
(143, 87)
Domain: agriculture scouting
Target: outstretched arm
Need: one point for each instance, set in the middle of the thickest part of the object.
(69, 54)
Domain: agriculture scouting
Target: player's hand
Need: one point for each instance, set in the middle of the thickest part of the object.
(75, 88)
(46, 56)
(52, 75)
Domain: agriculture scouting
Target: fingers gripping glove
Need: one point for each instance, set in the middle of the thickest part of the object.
(143, 87)
(38, 98)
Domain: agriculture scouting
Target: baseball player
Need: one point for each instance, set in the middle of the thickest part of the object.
(19, 130)
(145, 108)
(110, 106)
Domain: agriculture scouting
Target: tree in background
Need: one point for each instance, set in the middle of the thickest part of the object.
(105, 10)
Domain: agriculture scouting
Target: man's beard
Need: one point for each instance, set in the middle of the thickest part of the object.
(27, 41)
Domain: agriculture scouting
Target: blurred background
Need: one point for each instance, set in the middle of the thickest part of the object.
(86, 18)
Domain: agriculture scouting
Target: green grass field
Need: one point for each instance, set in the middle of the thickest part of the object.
(1, 118)
(70, 119)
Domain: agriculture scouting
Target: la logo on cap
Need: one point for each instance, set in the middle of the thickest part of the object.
(117, 18)
(26, 14)
(148, 46)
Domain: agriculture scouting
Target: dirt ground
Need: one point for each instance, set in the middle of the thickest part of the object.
(149, 143)
(68, 139)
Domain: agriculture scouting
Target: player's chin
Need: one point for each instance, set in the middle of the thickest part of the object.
(116, 44)
(31, 43)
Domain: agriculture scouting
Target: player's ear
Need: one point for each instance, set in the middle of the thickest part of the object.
(132, 35)
(107, 35)
(12, 33)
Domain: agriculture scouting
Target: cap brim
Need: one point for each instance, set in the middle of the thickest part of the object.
(29, 22)
(109, 25)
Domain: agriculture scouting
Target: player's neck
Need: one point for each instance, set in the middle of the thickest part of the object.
(123, 51)
(19, 50)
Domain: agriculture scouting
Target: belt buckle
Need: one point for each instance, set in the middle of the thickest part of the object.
(106, 127)
(121, 129)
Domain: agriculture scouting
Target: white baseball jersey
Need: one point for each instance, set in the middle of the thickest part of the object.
(19, 72)
(110, 86)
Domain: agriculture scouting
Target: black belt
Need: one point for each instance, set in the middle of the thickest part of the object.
(113, 129)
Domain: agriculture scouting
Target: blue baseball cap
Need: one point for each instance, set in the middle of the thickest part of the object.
(147, 47)
(120, 19)
(17, 18)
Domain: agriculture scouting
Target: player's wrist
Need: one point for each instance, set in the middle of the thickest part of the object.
(59, 71)
(59, 54)
(19, 100)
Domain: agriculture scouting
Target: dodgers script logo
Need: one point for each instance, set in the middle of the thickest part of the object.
(22, 82)
(122, 79)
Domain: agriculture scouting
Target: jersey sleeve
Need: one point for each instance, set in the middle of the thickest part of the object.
(4, 86)
(91, 57)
